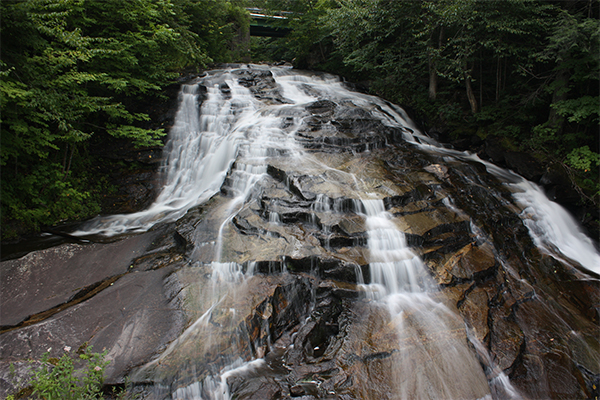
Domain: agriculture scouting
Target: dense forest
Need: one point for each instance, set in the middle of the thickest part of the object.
(73, 74)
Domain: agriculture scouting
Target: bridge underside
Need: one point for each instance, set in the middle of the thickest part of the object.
(269, 31)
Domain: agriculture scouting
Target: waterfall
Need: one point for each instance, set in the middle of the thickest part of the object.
(395, 268)
(551, 227)
(431, 363)
(203, 144)
(267, 162)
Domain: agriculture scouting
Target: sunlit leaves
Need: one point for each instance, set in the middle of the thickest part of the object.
(583, 158)
(141, 137)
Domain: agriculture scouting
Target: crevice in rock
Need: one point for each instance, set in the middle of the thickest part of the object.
(378, 356)
(80, 296)
(513, 370)
(341, 145)
(591, 381)
(317, 266)
(464, 295)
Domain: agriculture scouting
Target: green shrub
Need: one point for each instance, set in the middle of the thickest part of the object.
(58, 378)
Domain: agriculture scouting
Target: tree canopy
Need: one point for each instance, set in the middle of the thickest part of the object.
(69, 71)
(523, 71)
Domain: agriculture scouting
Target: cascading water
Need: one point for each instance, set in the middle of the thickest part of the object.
(431, 364)
(552, 228)
(394, 267)
(203, 145)
(264, 158)
(201, 148)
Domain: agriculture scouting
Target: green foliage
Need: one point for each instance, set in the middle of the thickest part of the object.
(46, 196)
(213, 26)
(140, 137)
(308, 44)
(573, 50)
(579, 109)
(58, 378)
(70, 71)
(524, 70)
(587, 163)
(583, 158)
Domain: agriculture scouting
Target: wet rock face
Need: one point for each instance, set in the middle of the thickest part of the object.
(280, 276)
(121, 297)
(303, 219)
(261, 84)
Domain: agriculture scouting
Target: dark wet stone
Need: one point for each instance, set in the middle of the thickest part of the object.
(47, 278)
(322, 107)
(524, 164)
(520, 162)
(474, 308)
(558, 185)
(136, 187)
(506, 338)
(132, 319)
(261, 84)
(104, 295)
(258, 388)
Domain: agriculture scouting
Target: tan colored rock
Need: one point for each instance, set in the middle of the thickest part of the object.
(440, 171)
(452, 295)
(422, 222)
(506, 338)
(473, 259)
(474, 310)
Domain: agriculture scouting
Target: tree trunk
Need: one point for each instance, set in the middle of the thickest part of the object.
(498, 79)
(66, 171)
(433, 81)
(64, 163)
(481, 81)
(504, 70)
(560, 93)
(470, 93)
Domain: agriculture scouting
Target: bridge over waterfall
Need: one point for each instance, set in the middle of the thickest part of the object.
(262, 24)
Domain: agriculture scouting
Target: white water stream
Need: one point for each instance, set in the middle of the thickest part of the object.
(230, 136)
(552, 228)
(435, 360)
(203, 144)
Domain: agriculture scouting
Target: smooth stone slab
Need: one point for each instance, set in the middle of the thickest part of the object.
(47, 278)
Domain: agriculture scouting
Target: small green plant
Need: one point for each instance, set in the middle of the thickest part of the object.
(583, 159)
(58, 378)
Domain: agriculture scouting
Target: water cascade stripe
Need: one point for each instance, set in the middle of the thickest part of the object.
(400, 281)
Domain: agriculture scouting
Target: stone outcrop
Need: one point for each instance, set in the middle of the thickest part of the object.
(290, 284)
